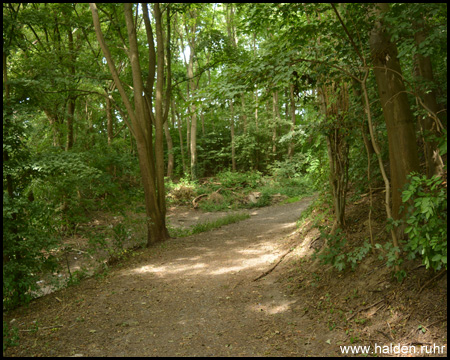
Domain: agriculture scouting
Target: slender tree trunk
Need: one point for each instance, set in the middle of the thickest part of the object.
(275, 119)
(170, 160)
(192, 88)
(334, 101)
(397, 114)
(71, 98)
(364, 127)
(180, 134)
(193, 143)
(435, 165)
(233, 154)
(244, 116)
(70, 118)
(292, 111)
(109, 121)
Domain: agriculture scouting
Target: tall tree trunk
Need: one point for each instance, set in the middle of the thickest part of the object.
(233, 154)
(292, 111)
(403, 154)
(244, 115)
(275, 120)
(71, 98)
(364, 127)
(170, 160)
(334, 101)
(151, 160)
(429, 126)
(109, 120)
(70, 118)
(193, 146)
(192, 87)
(180, 134)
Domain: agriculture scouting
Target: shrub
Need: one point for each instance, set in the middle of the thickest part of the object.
(426, 219)
(28, 241)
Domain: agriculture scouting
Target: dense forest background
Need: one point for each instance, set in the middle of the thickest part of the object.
(111, 107)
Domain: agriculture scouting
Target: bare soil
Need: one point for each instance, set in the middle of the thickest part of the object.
(219, 293)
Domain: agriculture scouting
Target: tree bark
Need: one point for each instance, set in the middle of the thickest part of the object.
(292, 111)
(233, 153)
(109, 121)
(424, 72)
(180, 134)
(170, 158)
(192, 88)
(403, 154)
(151, 172)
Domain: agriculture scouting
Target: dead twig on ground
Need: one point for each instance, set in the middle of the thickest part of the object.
(365, 308)
(432, 279)
(274, 266)
(43, 328)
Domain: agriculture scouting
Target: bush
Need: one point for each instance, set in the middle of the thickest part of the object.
(230, 179)
(426, 220)
(28, 240)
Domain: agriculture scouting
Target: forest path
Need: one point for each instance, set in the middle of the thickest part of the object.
(193, 296)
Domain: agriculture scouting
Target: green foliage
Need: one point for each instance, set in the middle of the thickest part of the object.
(209, 225)
(10, 336)
(181, 192)
(66, 181)
(359, 253)
(334, 253)
(28, 224)
(229, 179)
(390, 253)
(292, 168)
(28, 242)
(426, 220)
(228, 219)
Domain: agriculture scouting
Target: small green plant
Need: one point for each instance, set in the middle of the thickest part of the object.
(354, 257)
(390, 253)
(426, 220)
(209, 225)
(334, 253)
(422, 328)
(10, 336)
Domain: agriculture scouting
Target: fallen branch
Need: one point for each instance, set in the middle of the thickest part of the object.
(274, 266)
(82, 252)
(431, 280)
(43, 328)
(195, 201)
(363, 309)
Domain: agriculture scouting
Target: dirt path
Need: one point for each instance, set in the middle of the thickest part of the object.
(192, 296)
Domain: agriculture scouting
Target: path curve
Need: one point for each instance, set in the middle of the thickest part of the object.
(192, 296)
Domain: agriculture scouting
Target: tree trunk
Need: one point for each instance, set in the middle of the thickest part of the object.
(334, 101)
(70, 118)
(435, 165)
(170, 160)
(397, 114)
(192, 89)
(292, 111)
(109, 120)
(275, 119)
(193, 147)
(150, 160)
(180, 134)
(244, 116)
(233, 154)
